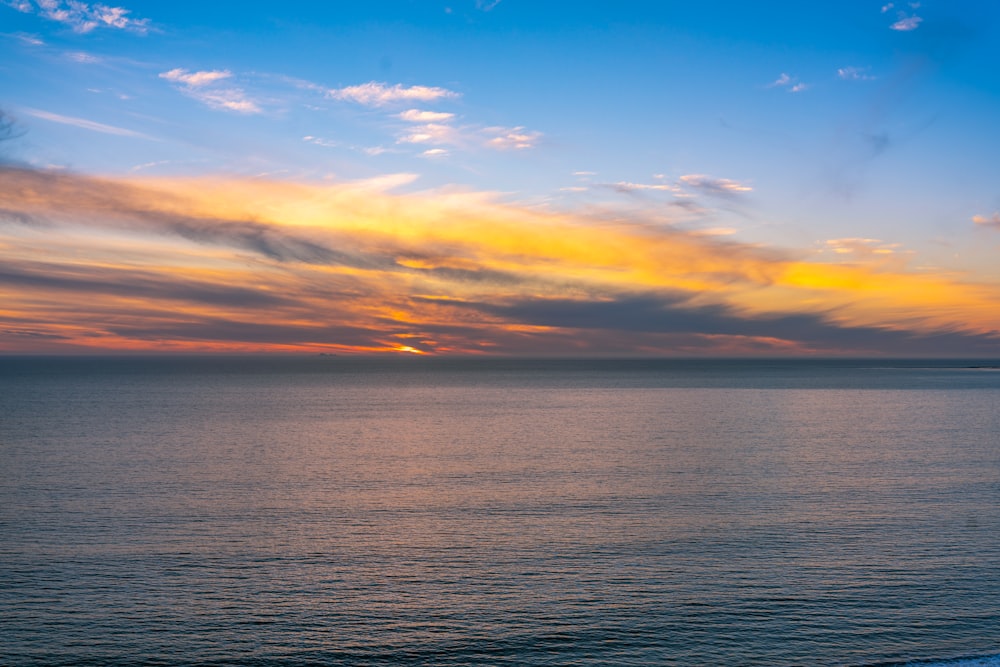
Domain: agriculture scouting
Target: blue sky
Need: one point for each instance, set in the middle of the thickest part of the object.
(859, 135)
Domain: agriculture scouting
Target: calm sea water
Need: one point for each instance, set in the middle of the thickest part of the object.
(358, 512)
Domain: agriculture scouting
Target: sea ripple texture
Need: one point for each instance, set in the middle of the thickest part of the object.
(338, 511)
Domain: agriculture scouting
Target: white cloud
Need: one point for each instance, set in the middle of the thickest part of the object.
(431, 133)
(319, 141)
(435, 152)
(80, 16)
(517, 138)
(887, 7)
(790, 82)
(990, 221)
(782, 80)
(378, 94)
(196, 79)
(855, 74)
(862, 247)
(487, 5)
(418, 116)
(201, 86)
(85, 124)
(229, 99)
(906, 23)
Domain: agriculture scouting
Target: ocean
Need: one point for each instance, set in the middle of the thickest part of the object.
(357, 511)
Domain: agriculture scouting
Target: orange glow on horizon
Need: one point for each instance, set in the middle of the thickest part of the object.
(271, 266)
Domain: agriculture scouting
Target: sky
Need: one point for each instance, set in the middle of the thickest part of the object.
(500, 177)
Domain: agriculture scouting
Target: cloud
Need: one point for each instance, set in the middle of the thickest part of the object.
(906, 23)
(85, 124)
(196, 79)
(319, 141)
(714, 186)
(487, 5)
(378, 94)
(116, 205)
(782, 80)
(435, 152)
(988, 221)
(202, 86)
(83, 57)
(887, 7)
(431, 133)
(673, 314)
(30, 40)
(258, 264)
(469, 136)
(506, 138)
(627, 187)
(855, 74)
(418, 116)
(790, 83)
(82, 17)
(133, 283)
(861, 247)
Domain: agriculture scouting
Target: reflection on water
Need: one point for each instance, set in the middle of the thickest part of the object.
(359, 512)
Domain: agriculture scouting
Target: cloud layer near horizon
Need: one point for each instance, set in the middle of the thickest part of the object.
(259, 265)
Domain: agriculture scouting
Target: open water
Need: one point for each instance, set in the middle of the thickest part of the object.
(335, 511)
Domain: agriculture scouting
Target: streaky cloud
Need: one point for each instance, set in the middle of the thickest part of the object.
(82, 17)
(85, 124)
(379, 94)
(353, 266)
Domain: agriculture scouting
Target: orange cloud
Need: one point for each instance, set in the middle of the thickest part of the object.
(230, 264)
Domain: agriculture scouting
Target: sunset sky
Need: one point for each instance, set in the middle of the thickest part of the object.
(501, 177)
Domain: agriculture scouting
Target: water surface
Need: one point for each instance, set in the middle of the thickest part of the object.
(445, 512)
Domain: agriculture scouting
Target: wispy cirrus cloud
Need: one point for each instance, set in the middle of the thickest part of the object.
(196, 79)
(714, 186)
(855, 74)
(30, 40)
(629, 187)
(683, 188)
(379, 94)
(855, 247)
(511, 138)
(80, 16)
(906, 24)
(468, 136)
(905, 21)
(85, 124)
(204, 87)
(320, 141)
